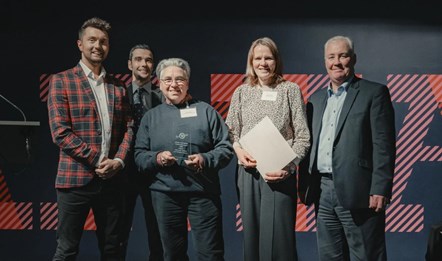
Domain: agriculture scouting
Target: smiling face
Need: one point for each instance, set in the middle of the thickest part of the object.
(174, 84)
(94, 46)
(264, 63)
(141, 65)
(339, 61)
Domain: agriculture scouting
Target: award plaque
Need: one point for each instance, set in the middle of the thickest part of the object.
(182, 144)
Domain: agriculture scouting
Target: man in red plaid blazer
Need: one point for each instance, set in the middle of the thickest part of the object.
(90, 121)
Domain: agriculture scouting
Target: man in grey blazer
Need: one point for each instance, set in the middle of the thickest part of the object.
(349, 173)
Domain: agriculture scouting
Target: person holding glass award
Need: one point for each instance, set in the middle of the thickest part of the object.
(183, 143)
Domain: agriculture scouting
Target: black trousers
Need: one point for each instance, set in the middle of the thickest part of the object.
(205, 218)
(105, 197)
(136, 186)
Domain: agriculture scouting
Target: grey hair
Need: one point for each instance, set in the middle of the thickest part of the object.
(345, 39)
(138, 46)
(178, 62)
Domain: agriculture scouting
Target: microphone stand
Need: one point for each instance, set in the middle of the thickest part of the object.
(15, 106)
(26, 133)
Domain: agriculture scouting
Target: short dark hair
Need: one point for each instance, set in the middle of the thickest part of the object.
(138, 46)
(94, 22)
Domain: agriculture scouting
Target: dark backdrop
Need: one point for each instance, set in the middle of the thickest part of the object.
(393, 40)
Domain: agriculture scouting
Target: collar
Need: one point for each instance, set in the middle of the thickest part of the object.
(341, 89)
(147, 86)
(89, 72)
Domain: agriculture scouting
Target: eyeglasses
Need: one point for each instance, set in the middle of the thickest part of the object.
(178, 81)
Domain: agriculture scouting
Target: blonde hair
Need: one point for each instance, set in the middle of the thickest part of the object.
(251, 77)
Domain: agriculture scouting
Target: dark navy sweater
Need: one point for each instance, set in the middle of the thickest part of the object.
(163, 128)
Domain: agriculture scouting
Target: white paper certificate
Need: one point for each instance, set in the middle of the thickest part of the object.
(269, 148)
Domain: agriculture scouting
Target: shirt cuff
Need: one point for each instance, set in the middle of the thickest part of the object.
(121, 161)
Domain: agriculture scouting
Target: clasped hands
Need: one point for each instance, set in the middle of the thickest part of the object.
(194, 161)
(249, 162)
(108, 168)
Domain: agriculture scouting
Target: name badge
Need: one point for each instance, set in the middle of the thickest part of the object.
(269, 96)
(188, 112)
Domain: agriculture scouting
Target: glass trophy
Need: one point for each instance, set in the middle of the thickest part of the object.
(182, 145)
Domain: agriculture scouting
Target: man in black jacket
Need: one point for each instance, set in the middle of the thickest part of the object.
(352, 159)
(143, 95)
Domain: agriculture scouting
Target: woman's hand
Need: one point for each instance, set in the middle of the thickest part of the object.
(165, 158)
(276, 176)
(245, 158)
(195, 162)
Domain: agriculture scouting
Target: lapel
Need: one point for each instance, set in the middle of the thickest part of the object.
(352, 93)
(147, 97)
(157, 95)
(130, 94)
(317, 124)
(86, 87)
(151, 97)
(154, 97)
(110, 91)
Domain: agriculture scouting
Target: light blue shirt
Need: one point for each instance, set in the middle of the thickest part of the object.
(330, 120)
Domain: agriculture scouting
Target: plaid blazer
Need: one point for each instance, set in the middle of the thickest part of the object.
(76, 128)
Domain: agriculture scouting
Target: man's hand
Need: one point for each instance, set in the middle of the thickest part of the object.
(378, 202)
(108, 168)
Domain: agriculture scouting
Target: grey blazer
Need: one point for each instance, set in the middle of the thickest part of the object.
(364, 148)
